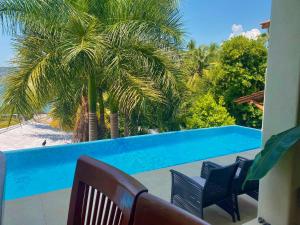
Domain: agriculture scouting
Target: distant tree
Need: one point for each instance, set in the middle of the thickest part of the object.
(196, 63)
(191, 45)
(241, 72)
(206, 112)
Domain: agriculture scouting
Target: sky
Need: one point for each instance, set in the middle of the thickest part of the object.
(204, 21)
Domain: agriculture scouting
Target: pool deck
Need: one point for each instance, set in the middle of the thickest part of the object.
(52, 208)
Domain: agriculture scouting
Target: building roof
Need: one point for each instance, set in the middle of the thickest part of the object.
(266, 24)
(257, 97)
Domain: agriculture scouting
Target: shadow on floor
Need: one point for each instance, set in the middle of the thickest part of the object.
(248, 210)
(52, 137)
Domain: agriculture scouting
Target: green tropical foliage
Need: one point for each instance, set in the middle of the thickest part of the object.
(207, 112)
(120, 65)
(197, 61)
(241, 72)
(72, 48)
(199, 107)
(275, 148)
(5, 122)
(224, 73)
(191, 45)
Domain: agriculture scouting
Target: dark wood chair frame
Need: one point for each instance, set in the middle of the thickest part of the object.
(152, 210)
(101, 188)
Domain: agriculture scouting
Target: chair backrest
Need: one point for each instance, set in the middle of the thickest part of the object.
(243, 168)
(2, 183)
(151, 210)
(102, 194)
(219, 183)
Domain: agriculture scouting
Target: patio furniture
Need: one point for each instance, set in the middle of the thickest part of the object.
(251, 188)
(2, 182)
(102, 194)
(151, 210)
(213, 187)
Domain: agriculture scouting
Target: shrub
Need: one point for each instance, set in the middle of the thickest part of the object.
(206, 112)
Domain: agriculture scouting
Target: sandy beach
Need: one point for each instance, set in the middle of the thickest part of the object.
(31, 135)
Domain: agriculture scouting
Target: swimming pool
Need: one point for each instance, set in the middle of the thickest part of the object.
(36, 171)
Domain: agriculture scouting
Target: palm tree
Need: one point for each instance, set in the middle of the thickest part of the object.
(102, 125)
(201, 57)
(129, 45)
(197, 61)
(191, 45)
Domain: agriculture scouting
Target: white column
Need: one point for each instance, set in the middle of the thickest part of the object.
(278, 190)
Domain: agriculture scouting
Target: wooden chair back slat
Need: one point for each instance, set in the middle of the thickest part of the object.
(117, 217)
(106, 211)
(102, 194)
(101, 208)
(96, 210)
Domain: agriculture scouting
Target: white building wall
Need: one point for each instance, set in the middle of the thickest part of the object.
(278, 190)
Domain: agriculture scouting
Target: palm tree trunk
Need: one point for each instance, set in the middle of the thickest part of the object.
(102, 127)
(114, 121)
(93, 132)
(81, 130)
(114, 125)
(126, 126)
(200, 70)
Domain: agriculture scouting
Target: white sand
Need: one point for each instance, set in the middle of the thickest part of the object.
(31, 135)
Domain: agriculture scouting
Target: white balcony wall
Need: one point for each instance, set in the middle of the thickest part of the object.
(278, 191)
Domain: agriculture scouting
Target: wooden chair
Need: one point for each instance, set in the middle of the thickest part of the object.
(151, 210)
(102, 194)
(2, 183)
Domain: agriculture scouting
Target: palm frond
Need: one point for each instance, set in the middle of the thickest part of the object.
(83, 41)
(38, 15)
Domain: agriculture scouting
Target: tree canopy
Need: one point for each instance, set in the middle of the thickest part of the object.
(241, 72)
(104, 63)
(68, 50)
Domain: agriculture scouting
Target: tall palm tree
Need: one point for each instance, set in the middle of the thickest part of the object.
(102, 125)
(197, 61)
(191, 45)
(127, 44)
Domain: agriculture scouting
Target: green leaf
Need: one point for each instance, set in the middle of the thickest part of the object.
(276, 147)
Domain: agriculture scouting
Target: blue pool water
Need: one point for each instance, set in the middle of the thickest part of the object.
(42, 170)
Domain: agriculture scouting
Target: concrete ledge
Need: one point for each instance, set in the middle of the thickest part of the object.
(252, 222)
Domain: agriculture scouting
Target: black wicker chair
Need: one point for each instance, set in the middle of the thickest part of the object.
(213, 187)
(251, 188)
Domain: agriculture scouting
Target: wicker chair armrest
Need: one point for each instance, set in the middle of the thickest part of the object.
(186, 188)
(206, 167)
(186, 179)
(240, 158)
